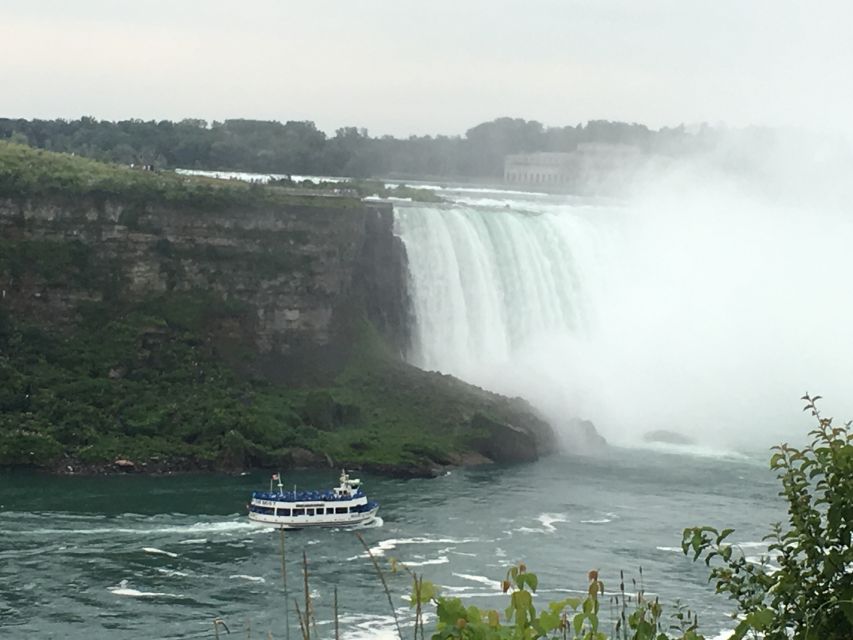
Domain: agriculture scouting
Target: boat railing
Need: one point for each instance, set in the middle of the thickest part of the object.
(293, 496)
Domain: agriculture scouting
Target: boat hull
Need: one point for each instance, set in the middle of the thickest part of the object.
(314, 522)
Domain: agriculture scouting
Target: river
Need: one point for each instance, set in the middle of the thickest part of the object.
(160, 557)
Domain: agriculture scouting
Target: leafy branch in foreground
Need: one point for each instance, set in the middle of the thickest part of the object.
(803, 590)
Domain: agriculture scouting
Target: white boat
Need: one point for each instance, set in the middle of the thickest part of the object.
(343, 506)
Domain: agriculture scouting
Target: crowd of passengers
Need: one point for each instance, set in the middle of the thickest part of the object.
(304, 495)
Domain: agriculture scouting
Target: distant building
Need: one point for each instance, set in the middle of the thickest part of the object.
(588, 166)
(539, 168)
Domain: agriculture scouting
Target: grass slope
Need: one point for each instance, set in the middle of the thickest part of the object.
(28, 172)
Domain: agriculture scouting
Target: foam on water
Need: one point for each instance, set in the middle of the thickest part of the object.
(549, 519)
(123, 590)
(423, 563)
(392, 543)
(155, 551)
(241, 576)
(481, 579)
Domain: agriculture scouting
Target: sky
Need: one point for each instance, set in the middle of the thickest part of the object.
(399, 67)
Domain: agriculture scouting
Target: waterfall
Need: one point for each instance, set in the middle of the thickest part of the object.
(681, 313)
(486, 282)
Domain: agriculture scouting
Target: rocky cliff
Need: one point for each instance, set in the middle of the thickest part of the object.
(294, 269)
(278, 318)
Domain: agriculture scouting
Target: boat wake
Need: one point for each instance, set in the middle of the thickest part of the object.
(373, 524)
(228, 527)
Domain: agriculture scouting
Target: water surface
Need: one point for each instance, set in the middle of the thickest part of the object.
(160, 557)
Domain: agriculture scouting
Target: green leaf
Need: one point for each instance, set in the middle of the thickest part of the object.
(761, 619)
(549, 621)
(740, 631)
(577, 623)
(725, 533)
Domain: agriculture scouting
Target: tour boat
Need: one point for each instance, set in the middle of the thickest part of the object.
(343, 506)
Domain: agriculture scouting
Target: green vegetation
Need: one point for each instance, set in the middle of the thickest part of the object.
(579, 618)
(28, 172)
(142, 382)
(804, 589)
(300, 148)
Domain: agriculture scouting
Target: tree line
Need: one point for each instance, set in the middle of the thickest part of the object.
(299, 147)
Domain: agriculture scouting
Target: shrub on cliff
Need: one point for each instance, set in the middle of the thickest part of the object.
(805, 589)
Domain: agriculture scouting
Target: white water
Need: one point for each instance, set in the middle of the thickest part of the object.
(701, 311)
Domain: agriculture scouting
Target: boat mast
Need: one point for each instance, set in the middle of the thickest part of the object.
(277, 478)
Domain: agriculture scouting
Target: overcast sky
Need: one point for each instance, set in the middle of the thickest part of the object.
(436, 66)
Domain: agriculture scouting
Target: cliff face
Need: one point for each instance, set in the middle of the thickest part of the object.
(297, 273)
(185, 323)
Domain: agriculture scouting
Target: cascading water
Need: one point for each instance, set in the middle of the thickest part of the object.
(491, 282)
(684, 315)
(484, 282)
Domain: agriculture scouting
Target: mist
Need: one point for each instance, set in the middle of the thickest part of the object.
(704, 300)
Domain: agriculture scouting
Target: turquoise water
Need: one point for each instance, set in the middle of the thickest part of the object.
(145, 557)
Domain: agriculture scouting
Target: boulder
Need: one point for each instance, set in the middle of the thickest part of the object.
(502, 442)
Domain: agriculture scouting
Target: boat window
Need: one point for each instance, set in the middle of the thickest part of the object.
(267, 511)
(340, 510)
(299, 512)
(309, 512)
(284, 512)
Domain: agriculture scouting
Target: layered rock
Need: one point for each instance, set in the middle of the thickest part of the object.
(294, 269)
